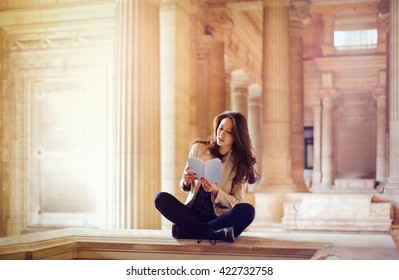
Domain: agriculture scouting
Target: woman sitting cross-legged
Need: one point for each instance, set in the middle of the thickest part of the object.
(215, 211)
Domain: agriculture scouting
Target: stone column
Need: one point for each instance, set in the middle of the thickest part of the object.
(178, 62)
(228, 69)
(392, 185)
(5, 110)
(316, 175)
(327, 142)
(210, 97)
(255, 120)
(216, 92)
(379, 95)
(201, 97)
(239, 91)
(276, 154)
(328, 35)
(219, 26)
(137, 87)
(298, 15)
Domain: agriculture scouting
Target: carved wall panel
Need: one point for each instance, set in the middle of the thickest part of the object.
(57, 141)
(355, 136)
(67, 149)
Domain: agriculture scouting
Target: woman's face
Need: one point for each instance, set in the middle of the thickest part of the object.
(224, 136)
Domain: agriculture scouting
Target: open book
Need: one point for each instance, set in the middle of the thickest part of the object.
(211, 169)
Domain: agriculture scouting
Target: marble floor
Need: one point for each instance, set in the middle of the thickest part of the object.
(346, 246)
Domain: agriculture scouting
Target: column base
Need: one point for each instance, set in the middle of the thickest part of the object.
(269, 211)
(347, 186)
(287, 186)
(301, 187)
(392, 186)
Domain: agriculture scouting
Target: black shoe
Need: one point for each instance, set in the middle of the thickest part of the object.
(224, 234)
(181, 233)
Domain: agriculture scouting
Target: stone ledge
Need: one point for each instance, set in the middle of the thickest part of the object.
(395, 235)
(68, 244)
(355, 185)
(336, 212)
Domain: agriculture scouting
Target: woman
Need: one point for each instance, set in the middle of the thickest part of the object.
(215, 211)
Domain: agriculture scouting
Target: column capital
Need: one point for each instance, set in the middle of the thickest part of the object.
(219, 23)
(299, 14)
(189, 6)
(255, 94)
(239, 79)
(204, 47)
(327, 86)
(328, 100)
(384, 11)
(255, 90)
(381, 88)
(379, 95)
(276, 3)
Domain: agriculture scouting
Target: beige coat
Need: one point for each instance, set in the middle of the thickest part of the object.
(228, 194)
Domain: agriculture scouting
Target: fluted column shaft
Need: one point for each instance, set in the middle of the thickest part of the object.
(204, 50)
(381, 138)
(255, 120)
(178, 91)
(327, 151)
(316, 176)
(276, 155)
(297, 99)
(210, 95)
(216, 92)
(239, 91)
(393, 178)
(137, 68)
(228, 69)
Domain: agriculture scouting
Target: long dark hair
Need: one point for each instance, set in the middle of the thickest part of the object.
(243, 158)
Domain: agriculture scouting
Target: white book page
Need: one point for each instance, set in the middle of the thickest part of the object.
(197, 166)
(212, 169)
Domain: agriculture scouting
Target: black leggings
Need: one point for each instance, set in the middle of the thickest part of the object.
(239, 217)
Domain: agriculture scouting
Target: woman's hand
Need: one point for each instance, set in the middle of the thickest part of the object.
(188, 177)
(209, 186)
